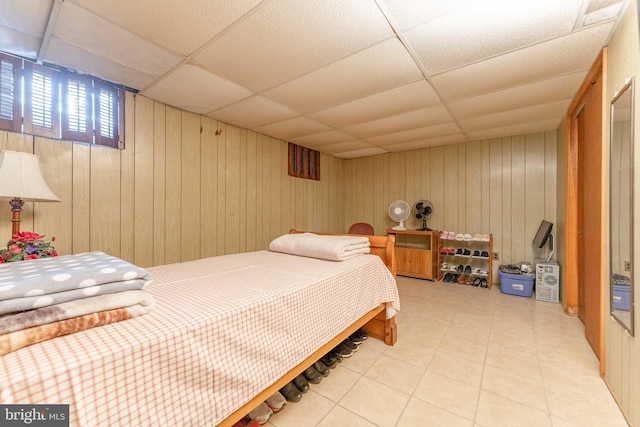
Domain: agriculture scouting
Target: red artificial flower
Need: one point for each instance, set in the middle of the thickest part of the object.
(32, 256)
(26, 236)
(1, 260)
(15, 249)
(53, 239)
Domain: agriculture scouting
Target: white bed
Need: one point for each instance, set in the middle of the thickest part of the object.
(225, 333)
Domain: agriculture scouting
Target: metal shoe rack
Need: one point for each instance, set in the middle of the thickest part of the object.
(453, 253)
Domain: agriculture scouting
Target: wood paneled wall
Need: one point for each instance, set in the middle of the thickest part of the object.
(501, 186)
(185, 187)
(622, 370)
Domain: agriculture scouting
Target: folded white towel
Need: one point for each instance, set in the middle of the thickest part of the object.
(333, 248)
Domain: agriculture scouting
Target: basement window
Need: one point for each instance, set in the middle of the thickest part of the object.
(304, 162)
(45, 101)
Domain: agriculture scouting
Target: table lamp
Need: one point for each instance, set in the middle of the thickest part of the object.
(21, 181)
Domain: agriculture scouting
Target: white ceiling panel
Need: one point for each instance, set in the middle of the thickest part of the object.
(484, 29)
(426, 143)
(307, 35)
(76, 58)
(253, 112)
(377, 68)
(567, 54)
(77, 27)
(292, 128)
(411, 120)
(435, 131)
(193, 89)
(408, 97)
(562, 87)
(323, 138)
(535, 113)
(350, 78)
(516, 129)
(182, 26)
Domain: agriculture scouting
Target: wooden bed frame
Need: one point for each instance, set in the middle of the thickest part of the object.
(374, 323)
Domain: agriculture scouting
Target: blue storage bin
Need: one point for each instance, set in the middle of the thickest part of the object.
(516, 284)
(621, 300)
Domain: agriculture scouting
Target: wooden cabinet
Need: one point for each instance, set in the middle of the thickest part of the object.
(416, 253)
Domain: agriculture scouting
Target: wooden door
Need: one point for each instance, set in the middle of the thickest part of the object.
(589, 123)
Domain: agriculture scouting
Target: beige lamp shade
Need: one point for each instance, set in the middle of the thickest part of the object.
(20, 178)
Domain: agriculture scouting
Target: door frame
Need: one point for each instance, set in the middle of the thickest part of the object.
(571, 267)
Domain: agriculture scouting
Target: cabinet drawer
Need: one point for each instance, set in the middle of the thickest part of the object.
(414, 262)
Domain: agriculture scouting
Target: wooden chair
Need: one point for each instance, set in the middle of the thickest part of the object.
(362, 228)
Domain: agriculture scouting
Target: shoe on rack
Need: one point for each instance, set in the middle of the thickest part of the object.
(467, 269)
(291, 392)
(476, 282)
(322, 368)
(446, 277)
(312, 375)
(276, 401)
(301, 383)
(466, 252)
(476, 254)
(453, 278)
(261, 414)
(329, 360)
(246, 422)
(461, 280)
(483, 283)
(343, 350)
(459, 251)
(484, 254)
(460, 268)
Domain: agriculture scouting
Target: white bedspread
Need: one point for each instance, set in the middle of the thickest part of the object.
(223, 329)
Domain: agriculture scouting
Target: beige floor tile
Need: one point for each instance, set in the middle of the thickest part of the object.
(496, 411)
(448, 394)
(524, 390)
(308, 412)
(423, 414)
(407, 351)
(513, 361)
(366, 357)
(457, 368)
(395, 373)
(462, 348)
(337, 384)
(421, 337)
(375, 402)
(340, 417)
(591, 406)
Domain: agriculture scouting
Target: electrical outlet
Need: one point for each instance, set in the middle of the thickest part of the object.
(627, 266)
(495, 256)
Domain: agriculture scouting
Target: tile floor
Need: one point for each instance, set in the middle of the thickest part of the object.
(465, 356)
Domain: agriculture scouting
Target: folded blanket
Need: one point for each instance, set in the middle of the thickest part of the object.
(26, 285)
(333, 248)
(137, 302)
(16, 340)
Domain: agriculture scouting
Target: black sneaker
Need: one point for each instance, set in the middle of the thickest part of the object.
(467, 269)
(476, 254)
(322, 368)
(329, 360)
(291, 392)
(459, 251)
(353, 346)
(485, 254)
(312, 375)
(466, 252)
(343, 350)
(301, 383)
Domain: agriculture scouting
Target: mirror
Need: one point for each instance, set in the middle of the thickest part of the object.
(621, 205)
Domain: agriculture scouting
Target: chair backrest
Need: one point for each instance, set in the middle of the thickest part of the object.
(362, 228)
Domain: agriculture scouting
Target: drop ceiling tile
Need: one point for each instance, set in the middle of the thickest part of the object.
(536, 113)
(26, 16)
(426, 143)
(323, 138)
(366, 152)
(543, 91)
(79, 59)
(377, 68)
(443, 129)
(411, 120)
(293, 128)
(348, 146)
(193, 89)
(182, 26)
(567, 54)
(89, 32)
(18, 43)
(253, 112)
(407, 14)
(398, 100)
(286, 39)
(516, 129)
(488, 28)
